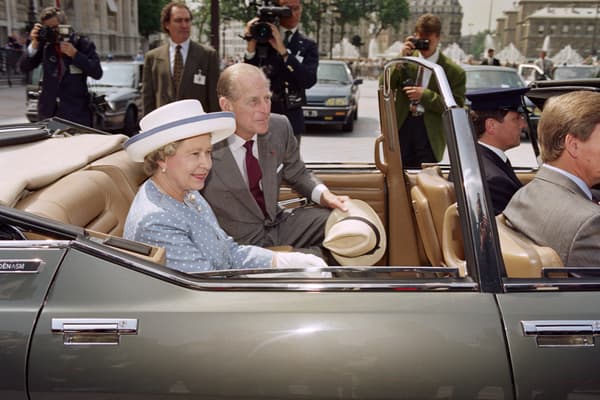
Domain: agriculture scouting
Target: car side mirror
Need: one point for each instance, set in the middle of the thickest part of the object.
(358, 81)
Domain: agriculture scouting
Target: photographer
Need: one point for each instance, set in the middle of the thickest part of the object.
(288, 58)
(68, 59)
(419, 105)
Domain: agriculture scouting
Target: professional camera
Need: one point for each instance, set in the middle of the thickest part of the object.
(267, 14)
(47, 34)
(420, 44)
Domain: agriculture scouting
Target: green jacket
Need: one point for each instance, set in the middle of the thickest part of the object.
(431, 100)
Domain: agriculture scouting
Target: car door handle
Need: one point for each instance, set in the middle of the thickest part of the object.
(562, 333)
(93, 331)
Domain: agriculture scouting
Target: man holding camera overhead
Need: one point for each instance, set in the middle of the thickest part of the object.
(288, 58)
(419, 105)
(68, 59)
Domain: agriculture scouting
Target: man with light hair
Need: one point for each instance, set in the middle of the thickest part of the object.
(248, 169)
(557, 209)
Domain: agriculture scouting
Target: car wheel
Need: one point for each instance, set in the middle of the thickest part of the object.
(348, 126)
(130, 123)
(355, 116)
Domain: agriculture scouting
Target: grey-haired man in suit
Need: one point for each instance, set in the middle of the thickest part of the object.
(200, 65)
(250, 212)
(556, 208)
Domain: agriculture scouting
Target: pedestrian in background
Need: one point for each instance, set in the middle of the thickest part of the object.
(181, 68)
(490, 59)
(419, 105)
(290, 61)
(68, 59)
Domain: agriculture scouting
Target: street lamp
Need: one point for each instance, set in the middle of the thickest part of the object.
(31, 16)
(490, 16)
(334, 13)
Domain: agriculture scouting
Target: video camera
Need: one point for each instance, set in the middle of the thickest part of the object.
(267, 14)
(47, 34)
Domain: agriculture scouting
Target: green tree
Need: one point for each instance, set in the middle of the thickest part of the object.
(388, 13)
(149, 16)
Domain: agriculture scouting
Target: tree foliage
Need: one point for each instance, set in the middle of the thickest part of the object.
(149, 16)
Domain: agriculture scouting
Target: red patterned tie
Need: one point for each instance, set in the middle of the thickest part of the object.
(254, 176)
(177, 70)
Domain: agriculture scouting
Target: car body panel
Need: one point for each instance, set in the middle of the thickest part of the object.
(333, 100)
(22, 295)
(567, 72)
(224, 344)
(553, 364)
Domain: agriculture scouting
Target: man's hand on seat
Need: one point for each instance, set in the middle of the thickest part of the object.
(331, 200)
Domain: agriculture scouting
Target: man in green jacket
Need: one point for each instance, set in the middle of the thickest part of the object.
(419, 105)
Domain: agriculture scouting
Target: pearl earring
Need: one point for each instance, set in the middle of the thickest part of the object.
(163, 170)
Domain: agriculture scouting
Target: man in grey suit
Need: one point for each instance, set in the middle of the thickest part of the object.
(243, 187)
(164, 81)
(556, 208)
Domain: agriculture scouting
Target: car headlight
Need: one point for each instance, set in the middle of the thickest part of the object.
(337, 101)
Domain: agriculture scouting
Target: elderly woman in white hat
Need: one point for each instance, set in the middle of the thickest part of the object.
(175, 145)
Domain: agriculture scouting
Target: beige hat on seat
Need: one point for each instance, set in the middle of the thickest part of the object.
(355, 237)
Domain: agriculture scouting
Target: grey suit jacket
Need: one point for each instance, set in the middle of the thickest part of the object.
(158, 88)
(553, 211)
(228, 194)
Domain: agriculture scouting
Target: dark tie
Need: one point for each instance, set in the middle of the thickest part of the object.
(254, 176)
(177, 69)
(508, 164)
(286, 39)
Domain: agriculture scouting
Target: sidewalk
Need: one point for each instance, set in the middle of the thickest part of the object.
(12, 104)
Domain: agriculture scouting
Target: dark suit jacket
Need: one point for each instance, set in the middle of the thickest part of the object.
(431, 100)
(228, 193)
(295, 75)
(495, 61)
(158, 89)
(501, 179)
(70, 86)
(553, 211)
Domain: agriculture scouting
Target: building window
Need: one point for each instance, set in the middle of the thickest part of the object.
(541, 29)
(552, 30)
(578, 29)
(565, 29)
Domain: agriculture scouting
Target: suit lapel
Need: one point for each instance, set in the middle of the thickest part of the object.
(165, 65)
(190, 65)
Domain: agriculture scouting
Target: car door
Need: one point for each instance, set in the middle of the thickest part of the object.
(552, 330)
(116, 328)
(25, 276)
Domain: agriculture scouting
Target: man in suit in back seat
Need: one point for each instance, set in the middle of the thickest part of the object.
(497, 116)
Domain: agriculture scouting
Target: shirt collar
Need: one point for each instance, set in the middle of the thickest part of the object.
(434, 57)
(235, 142)
(282, 30)
(578, 181)
(496, 151)
(184, 45)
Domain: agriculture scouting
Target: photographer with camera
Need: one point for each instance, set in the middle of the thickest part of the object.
(68, 59)
(419, 105)
(288, 58)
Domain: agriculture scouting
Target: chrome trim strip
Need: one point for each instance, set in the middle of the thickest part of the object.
(561, 327)
(34, 244)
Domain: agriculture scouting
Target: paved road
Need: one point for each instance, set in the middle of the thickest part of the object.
(12, 104)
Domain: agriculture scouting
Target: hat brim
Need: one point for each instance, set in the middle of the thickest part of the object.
(219, 124)
(359, 208)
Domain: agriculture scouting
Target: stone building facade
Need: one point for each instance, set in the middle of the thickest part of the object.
(561, 23)
(111, 24)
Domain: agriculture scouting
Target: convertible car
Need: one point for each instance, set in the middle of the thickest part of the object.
(461, 306)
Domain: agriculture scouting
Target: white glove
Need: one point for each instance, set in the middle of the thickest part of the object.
(299, 260)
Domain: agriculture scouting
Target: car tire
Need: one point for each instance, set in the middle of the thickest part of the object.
(130, 124)
(348, 126)
(355, 116)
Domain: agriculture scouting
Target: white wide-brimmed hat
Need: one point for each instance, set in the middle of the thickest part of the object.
(355, 237)
(177, 121)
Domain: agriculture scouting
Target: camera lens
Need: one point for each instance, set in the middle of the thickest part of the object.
(261, 32)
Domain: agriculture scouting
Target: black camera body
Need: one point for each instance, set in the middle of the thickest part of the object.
(267, 14)
(420, 44)
(47, 34)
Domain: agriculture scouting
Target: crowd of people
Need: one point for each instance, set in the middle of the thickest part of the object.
(218, 139)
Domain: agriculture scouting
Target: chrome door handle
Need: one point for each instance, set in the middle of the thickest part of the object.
(93, 331)
(562, 333)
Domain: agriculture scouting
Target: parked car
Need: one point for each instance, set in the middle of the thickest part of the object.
(460, 307)
(117, 96)
(333, 100)
(489, 76)
(565, 72)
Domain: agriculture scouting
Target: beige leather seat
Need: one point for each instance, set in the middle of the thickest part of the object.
(522, 257)
(85, 198)
(431, 196)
